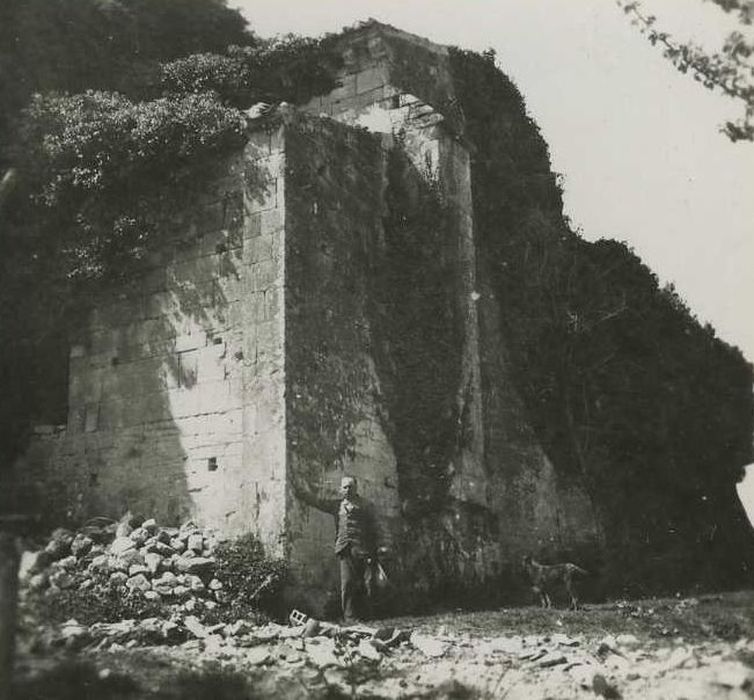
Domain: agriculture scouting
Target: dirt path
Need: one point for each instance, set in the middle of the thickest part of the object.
(695, 648)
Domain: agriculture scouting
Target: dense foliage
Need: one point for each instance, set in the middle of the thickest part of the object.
(421, 376)
(99, 165)
(77, 45)
(251, 580)
(625, 389)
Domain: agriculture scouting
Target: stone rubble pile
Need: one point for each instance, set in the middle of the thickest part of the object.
(164, 564)
(394, 662)
(321, 644)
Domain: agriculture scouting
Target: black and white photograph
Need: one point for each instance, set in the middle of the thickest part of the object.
(376, 349)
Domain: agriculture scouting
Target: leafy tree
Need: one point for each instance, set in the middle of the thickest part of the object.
(730, 70)
(77, 45)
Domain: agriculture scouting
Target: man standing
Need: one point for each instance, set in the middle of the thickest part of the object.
(355, 544)
(355, 547)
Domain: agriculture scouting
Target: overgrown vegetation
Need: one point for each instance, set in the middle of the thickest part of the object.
(252, 581)
(422, 374)
(113, 114)
(335, 173)
(624, 387)
(104, 604)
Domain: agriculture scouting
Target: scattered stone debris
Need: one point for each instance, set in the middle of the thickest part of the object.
(165, 564)
(175, 567)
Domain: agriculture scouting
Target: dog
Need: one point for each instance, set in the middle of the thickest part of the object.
(545, 577)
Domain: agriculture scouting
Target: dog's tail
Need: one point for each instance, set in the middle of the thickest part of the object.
(578, 570)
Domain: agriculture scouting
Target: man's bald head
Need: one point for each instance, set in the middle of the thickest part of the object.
(348, 486)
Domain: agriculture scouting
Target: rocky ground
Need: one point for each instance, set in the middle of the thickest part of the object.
(699, 647)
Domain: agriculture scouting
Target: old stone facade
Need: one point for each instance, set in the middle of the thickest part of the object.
(256, 348)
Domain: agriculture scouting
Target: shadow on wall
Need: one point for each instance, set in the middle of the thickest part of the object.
(448, 547)
(745, 489)
(155, 394)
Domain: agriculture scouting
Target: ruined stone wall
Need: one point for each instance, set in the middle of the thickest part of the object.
(504, 496)
(334, 177)
(176, 379)
(332, 306)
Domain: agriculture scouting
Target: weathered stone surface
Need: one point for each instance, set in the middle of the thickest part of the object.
(139, 536)
(61, 579)
(123, 529)
(32, 562)
(136, 569)
(321, 653)
(60, 543)
(116, 564)
(38, 582)
(152, 561)
(100, 564)
(258, 656)
(118, 578)
(193, 625)
(121, 545)
(139, 582)
(81, 544)
(161, 548)
(195, 543)
(74, 635)
(67, 563)
(194, 565)
(196, 584)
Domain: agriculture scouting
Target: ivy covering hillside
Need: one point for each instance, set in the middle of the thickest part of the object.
(621, 383)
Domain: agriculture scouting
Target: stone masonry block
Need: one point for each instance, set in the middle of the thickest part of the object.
(199, 430)
(263, 275)
(370, 79)
(184, 343)
(211, 363)
(272, 306)
(261, 248)
(272, 221)
(91, 420)
(253, 225)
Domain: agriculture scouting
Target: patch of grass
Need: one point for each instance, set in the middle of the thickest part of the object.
(725, 617)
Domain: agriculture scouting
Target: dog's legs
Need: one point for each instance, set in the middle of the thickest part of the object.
(541, 595)
(547, 600)
(572, 594)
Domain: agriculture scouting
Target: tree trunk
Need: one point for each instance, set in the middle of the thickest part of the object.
(9, 560)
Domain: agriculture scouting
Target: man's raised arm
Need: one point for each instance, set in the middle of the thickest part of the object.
(306, 495)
